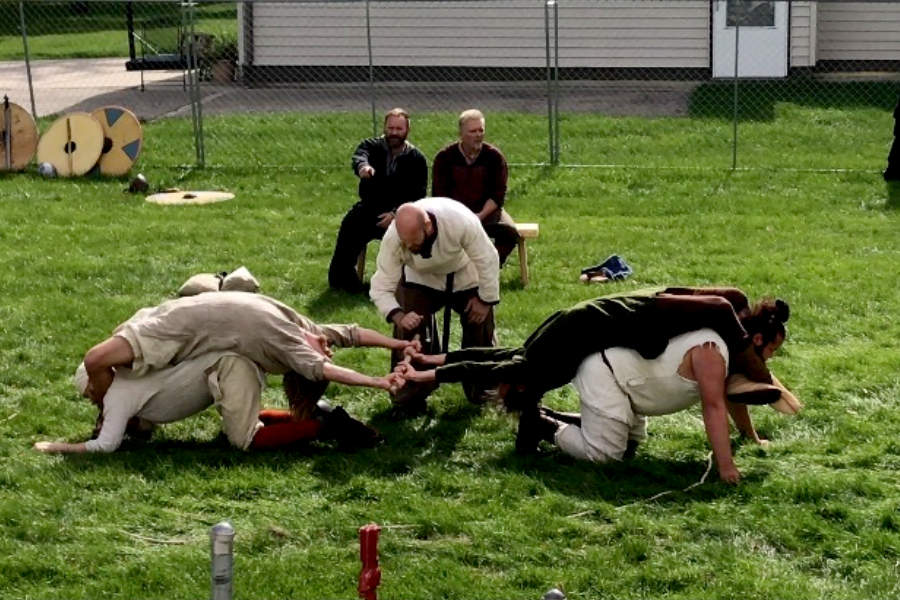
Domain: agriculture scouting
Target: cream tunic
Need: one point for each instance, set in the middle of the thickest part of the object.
(267, 332)
(615, 403)
(461, 247)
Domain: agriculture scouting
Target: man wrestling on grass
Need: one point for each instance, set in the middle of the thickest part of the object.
(134, 406)
(235, 336)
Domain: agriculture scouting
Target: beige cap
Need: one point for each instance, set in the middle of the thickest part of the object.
(763, 393)
(200, 283)
(240, 280)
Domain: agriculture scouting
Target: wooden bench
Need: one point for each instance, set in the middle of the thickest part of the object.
(527, 231)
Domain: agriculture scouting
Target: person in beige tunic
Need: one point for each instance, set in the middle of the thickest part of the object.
(267, 332)
(134, 406)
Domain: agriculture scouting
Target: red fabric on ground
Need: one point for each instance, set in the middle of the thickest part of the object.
(275, 415)
(278, 435)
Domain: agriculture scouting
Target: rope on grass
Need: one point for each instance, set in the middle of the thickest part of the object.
(709, 465)
(150, 540)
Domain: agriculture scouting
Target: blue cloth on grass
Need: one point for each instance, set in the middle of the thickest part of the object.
(613, 267)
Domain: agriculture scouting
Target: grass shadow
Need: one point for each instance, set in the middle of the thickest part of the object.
(330, 301)
(620, 483)
(757, 99)
(409, 444)
(892, 195)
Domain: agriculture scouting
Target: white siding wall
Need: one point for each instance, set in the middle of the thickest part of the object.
(498, 33)
(859, 31)
(803, 34)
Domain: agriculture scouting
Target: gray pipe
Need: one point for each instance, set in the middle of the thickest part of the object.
(221, 537)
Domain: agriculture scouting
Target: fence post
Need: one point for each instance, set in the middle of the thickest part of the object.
(737, 53)
(196, 98)
(27, 58)
(222, 538)
(555, 83)
(371, 70)
(551, 121)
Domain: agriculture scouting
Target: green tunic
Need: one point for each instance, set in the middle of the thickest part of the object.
(550, 357)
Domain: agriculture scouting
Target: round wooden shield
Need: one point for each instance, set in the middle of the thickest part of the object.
(122, 139)
(18, 137)
(72, 144)
(189, 197)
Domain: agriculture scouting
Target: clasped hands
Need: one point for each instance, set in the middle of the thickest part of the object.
(403, 372)
(412, 355)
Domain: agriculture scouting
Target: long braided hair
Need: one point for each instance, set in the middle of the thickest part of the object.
(768, 318)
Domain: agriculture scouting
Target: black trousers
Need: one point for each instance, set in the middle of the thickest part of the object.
(551, 356)
(502, 229)
(893, 162)
(359, 227)
(428, 302)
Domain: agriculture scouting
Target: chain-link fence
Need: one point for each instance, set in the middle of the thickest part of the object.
(649, 83)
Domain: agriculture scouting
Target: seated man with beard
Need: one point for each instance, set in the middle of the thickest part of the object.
(391, 172)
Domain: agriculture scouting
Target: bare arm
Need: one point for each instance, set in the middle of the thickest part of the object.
(709, 371)
(346, 376)
(60, 448)
(370, 337)
(410, 373)
(100, 360)
(740, 414)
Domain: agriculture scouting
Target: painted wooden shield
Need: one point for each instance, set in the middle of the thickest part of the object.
(122, 139)
(73, 144)
(18, 137)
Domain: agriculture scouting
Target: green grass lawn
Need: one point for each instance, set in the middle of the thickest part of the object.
(57, 30)
(463, 515)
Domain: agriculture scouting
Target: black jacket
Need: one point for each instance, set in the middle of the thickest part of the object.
(407, 181)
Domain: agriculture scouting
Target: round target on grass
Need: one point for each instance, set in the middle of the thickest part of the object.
(122, 139)
(73, 144)
(180, 197)
(18, 137)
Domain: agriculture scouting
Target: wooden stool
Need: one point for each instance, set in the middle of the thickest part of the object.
(526, 231)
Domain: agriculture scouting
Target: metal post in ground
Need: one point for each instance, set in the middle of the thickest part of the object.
(737, 53)
(187, 24)
(555, 83)
(371, 71)
(222, 541)
(551, 124)
(27, 58)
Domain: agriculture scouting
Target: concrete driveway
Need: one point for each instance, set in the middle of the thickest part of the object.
(85, 84)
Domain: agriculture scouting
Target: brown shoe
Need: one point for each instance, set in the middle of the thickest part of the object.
(348, 432)
(534, 428)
